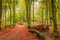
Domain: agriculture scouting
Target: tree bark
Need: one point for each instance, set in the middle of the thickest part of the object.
(14, 13)
(29, 17)
(42, 35)
(54, 15)
(0, 12)
(28, 12)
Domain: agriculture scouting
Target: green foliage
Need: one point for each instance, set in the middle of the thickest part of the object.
(20, 14)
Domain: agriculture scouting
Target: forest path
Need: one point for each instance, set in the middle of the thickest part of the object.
(18, 33)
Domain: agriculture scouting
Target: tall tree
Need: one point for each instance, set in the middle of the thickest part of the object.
(33, 12)
(0, 12)
(15, 2)
(28, 11)
(14, 12)
(54, 17)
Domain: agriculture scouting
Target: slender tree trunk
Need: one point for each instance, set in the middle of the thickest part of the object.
(29, 17)
(0, 12)
(5, 16)
(33, 12)
(10, 8)
(42, 16)
(54, 15)
(10, 14)
(28, 12)
(14, 13)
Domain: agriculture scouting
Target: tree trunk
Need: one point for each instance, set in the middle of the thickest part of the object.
(14, 20)
(10, 14)
(5, 16)
(29, 17)
(42, 35)
(0, 12)
(33, 12)
(54, 16)
(28, 12)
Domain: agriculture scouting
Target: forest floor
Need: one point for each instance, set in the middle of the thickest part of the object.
(19, 32)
